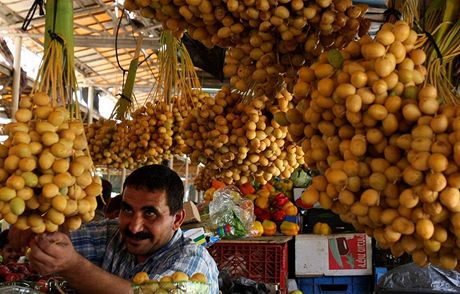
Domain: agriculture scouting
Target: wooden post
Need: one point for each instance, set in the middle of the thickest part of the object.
(16, 75)
(187, 188)
(90, 103)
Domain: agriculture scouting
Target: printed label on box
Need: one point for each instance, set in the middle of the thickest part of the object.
(333, 255)
(347, 252)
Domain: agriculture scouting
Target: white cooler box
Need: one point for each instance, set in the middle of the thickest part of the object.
(333, 255)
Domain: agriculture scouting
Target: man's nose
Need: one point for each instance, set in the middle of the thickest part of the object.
(136, 224)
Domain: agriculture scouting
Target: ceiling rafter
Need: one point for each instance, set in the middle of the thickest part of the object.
(41, 19)
(95, 23)
(5, 11)
(96, 20)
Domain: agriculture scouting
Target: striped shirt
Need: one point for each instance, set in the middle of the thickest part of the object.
(102, 244)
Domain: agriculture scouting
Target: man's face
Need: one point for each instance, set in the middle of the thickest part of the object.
(145, 221)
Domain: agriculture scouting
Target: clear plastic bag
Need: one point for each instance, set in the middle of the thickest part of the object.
(17, 290)
(172, 287)
(231, 214)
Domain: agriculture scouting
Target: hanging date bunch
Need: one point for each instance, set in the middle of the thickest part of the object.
(181, 108)
(151, 132)
(143, 138)
(225, 24)
(46, 172)
(118, 155)
(269, 40)
(100, 137)
(238, 140)
(178, 85)
(149, 135)
(108, 138)
(387, 149)
(203, 179)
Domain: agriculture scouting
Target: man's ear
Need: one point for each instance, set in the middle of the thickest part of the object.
(179, 219)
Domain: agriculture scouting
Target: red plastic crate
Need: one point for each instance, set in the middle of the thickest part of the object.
(261, 262)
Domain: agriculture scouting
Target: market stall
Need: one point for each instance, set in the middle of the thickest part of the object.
(331, 148)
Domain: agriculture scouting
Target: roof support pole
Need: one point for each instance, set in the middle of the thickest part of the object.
(187, 187)
(90, 104)
(16, 74)
(123, 178)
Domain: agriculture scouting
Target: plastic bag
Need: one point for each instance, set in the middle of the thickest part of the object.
(240, 285)
(415, 279)
(300, 178)
(231, 214)
(189, 287)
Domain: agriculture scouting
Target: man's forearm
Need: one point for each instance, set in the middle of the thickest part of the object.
(90, 279)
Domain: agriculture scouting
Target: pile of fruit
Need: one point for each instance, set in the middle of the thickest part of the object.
(46, 173)
(388, 151)
(269, 203)
(272, 206)
(240, 141)
(322, 229)
(178, 282)
(12, 271)
(270, 228)
(23, 275)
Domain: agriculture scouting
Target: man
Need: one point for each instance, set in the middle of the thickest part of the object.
(8, 253)
(103, 256)
(103, 201)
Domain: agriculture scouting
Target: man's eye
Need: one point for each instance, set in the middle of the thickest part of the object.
(126, 210)
(150, 214)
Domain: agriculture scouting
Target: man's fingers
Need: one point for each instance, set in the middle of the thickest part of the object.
(42, 243)
(39, 254)
(36, 253)
(49, 243)
(56, 238)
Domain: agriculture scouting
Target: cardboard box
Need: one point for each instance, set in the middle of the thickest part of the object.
(197, 235)
(191, 213)
(333, 255)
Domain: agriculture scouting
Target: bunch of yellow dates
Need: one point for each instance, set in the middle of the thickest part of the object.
(178, 282)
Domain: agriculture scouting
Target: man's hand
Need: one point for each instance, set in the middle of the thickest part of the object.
(53, 253)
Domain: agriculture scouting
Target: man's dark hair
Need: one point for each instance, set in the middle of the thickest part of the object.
(4, 238)
(106, 189)
(155, 178)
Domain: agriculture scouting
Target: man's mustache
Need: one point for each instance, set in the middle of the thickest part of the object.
(138, 236)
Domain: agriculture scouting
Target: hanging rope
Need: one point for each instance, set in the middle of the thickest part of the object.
(31, 13)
